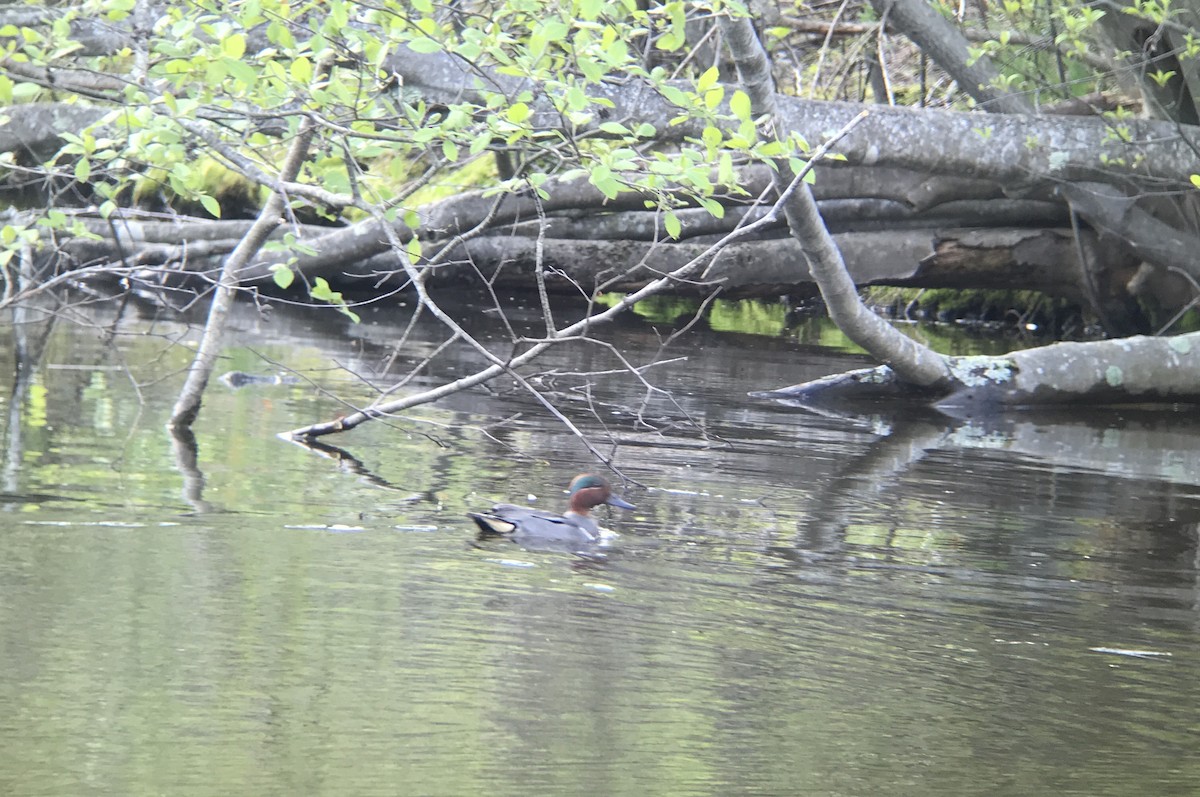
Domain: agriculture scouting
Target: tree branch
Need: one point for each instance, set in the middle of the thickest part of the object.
(912, 362)
(187, 406)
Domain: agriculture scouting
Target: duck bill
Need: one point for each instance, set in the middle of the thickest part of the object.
(616, 500)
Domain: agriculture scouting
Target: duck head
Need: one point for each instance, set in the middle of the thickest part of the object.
(589, 490)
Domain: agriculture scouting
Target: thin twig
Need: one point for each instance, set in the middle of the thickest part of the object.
(539, 264)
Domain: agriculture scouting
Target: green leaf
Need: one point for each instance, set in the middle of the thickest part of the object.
(614, 128)
(302, 70)
(211, 205)
(25, 91)
(517, 112)
(480, 143)
(282, 275)
(215, 71)
(677, 35)
(708, 79)
(739, 103)
(278, 34)
(117, 10)
(320, 290)
(672, 224)
(798, 165)
(242, 71)
(83, 170)
(605, 183)
(469, 51)
(670, 42)
(616, 53)
(678, 13)
(339, 14)
(714, 208)
(1195, 178)
(234, 46)
(674, 96)
(576, 99)
(424, 45)
(592, 70)
(554, 29)
(725, 173)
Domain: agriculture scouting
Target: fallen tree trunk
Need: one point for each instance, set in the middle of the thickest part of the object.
(1031, 258)
(841, 215)
(1017, 150)
(1128, 370)
(896, 227)
(1024, 157)
(1125, 371)
(1042, 260)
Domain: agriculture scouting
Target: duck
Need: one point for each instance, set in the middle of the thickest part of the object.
(576, 528)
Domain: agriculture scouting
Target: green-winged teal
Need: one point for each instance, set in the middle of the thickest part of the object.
(576, 528)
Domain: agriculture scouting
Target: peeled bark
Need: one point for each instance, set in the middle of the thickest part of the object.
(1042, 260)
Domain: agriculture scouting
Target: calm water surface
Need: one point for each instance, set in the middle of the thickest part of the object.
(876, 603)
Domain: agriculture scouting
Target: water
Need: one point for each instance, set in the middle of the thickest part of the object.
(875, 604)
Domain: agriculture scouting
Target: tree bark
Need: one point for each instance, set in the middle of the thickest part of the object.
(1133, 370)
(948, 47)
(1106, 207)
(187, 406)
(1035, 259)
(1022, 151)
(1169, 82)
(593, 251)
(911, 361)
(1126, 370)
